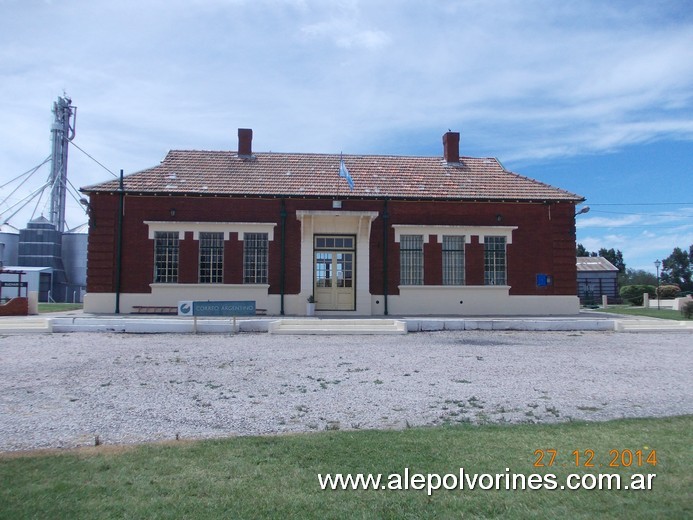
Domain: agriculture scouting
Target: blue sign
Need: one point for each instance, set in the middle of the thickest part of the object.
(216, 308)
(544, 280)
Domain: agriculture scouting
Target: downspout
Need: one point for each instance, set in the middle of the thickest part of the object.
(386, 220)
(119, 245)
(282, 267)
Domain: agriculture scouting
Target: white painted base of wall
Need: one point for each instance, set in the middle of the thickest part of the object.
(171, 294)
(412, 301)
(475, 301)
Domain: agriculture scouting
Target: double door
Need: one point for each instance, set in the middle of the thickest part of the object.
(334, 283)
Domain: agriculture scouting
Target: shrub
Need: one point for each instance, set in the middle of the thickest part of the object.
(687, 309)
(668, 291)
(633, 293)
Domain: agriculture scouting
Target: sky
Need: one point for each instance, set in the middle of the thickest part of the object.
(592, 96)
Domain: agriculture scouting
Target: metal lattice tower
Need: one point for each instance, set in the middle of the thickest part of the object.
(62, 132)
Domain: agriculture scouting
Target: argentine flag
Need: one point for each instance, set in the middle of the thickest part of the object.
(343, 172)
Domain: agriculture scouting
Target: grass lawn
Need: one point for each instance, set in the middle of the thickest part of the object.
(666, 314)
(276, 476)
(58, 307)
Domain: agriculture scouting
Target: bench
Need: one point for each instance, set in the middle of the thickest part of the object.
(165, 309)
(154, 309)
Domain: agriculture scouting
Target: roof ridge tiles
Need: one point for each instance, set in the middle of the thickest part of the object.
(234, 153)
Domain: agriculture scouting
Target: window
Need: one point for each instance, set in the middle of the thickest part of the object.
(211, 266)
(255, 247)
(411, 259)
(494, 261)
(166, 257)
(453, 260)
(334, 242)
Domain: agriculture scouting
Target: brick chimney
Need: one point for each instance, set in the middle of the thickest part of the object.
(245, 142)
(451, 147)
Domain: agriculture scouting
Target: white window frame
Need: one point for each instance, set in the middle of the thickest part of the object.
(411, 260)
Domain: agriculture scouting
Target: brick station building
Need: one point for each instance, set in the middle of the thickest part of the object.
(446, 235)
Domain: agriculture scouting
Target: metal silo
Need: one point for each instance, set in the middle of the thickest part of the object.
(75, 261)
(9, 236)
(40, 245)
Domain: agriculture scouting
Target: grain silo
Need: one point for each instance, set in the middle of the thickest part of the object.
(40, 245)
(74, 255)
(9, 236)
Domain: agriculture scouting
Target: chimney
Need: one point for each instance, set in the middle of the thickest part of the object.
(245, 142)
(451, 147)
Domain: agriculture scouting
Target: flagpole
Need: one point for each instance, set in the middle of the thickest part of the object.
(338, 176)
(344, 172)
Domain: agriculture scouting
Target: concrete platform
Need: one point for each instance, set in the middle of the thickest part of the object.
(529, 323)
(154, 325)
(76, 321)
(337, 326)
(653, 326)
(25, 325)
(172, 324)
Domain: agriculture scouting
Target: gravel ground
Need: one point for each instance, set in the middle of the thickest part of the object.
(62, 390)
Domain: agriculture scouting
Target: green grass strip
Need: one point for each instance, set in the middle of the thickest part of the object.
(58, 307)
(276, 476)
(666, 314)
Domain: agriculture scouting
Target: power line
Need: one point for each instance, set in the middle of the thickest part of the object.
(40, 196)
(92, 158)
(25, 201)
(76, 197)
(644, 214)
(30, 172)
(643, 226)
(640, 203)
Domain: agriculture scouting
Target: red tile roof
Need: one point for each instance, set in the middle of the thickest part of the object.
(299, 174)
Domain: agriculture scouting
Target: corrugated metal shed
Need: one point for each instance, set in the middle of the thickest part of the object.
(596, 276)
(594, 263)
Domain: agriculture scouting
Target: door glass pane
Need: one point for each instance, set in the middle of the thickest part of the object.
(345, 269)
(323, 269)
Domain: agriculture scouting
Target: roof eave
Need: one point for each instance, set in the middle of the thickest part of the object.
(576, 199)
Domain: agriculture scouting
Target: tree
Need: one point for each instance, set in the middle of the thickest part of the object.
(580, 250)
(636, 277)
(615, 257)
(676, 269)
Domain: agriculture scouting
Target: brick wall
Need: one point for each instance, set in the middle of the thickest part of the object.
(15, 307)
(543, 243)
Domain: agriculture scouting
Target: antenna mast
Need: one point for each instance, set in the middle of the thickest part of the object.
(62, 132)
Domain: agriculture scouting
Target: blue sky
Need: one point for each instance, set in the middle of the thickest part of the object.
(592, 96)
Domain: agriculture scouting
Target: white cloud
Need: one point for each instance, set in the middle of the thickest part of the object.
(641, 238)
(609, 222)
(346, 34)
(521, 80)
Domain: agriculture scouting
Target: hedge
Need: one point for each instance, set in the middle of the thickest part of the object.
(633, 293)
(668, 291)
(687, 309)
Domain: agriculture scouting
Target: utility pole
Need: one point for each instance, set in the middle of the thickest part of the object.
(62, 132)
